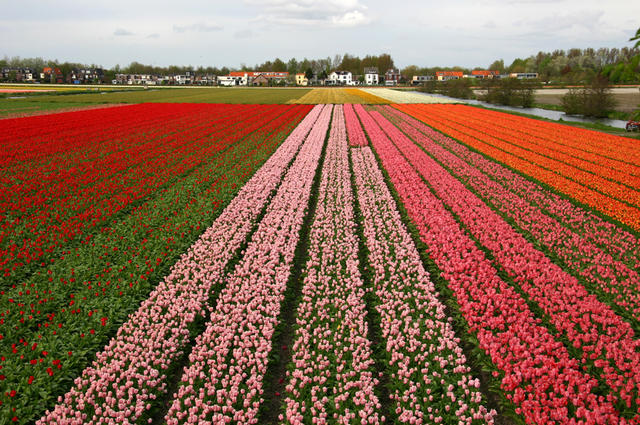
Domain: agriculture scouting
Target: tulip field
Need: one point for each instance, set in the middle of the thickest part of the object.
(351, 263)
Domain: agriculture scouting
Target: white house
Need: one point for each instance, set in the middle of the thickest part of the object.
(371, 76)
(231, 80)
(340, 78)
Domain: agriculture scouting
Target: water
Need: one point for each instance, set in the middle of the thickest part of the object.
(543, 113)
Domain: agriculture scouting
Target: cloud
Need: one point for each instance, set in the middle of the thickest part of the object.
(316, 13)
(552, 25)
(199, 27)
(244, 34)
(154, 35)
(122, 32)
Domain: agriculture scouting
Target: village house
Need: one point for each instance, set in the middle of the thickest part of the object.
(421, 79)
(245, 78)
(260, 80)
(484, 74)
(51, 75)
(340, 78)
(448, 75)
(371, 76)
(524, 75)
(302, 80)
(392, 77)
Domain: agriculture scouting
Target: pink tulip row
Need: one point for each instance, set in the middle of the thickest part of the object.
(429, 376)
(223, 381)
(539, 376)
(607, 343)
(354, 129)
(131, 371)
(613, 278)
(331, 377)
(617, 243)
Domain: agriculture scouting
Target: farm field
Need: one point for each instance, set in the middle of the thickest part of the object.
(338, 96)
(27, 105)
(359, 262)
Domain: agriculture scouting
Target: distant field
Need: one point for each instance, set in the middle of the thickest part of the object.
(44, 103)
(339, 95)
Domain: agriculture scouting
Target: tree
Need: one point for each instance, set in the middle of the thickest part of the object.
(292, 66)
(308, 74)
(636, 39)
(279, 65)
(497, 65)
(572, 102)
(410, 71)
(599, 100)
(595, 100)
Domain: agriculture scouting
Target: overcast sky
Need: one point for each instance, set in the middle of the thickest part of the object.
(209, 32)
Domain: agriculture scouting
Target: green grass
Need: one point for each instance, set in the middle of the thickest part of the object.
(50, 102)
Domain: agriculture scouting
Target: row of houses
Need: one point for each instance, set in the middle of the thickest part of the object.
(371, 77)
(53, 75)
(479, 74)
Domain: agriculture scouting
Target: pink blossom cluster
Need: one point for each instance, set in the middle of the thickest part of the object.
(223, 381)
(613, 278)
(606, 342)
(614, 241)
(354, 129)
(538, 375)
(130, 372)
(331, 377)
(429, 376)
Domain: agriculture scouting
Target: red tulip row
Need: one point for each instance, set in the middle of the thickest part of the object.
(612, 279)
(223, 381)
(614, 241)
(538, 374)
(65, 313)
(157, 334)
(90, 194)
(607, 343)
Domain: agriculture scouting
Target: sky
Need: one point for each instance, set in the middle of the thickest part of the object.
(426, 33)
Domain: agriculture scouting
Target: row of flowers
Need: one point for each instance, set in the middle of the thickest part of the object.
(158, 332)
(331, 378)
(538, 374)
(430, 381)
(52, 324)
(227, 364)
(616, 200)
(589, 141)
(544, 143)
(354, 129)
(611, 279)
(545, 158)
(606, 343)
(616, 242)
(64, 197)
(397, 96)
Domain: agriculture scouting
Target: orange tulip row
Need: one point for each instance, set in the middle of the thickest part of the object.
(611, 198)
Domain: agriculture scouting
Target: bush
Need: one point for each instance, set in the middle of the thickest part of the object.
(511, 92)
(595, 100)
(573, 101)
